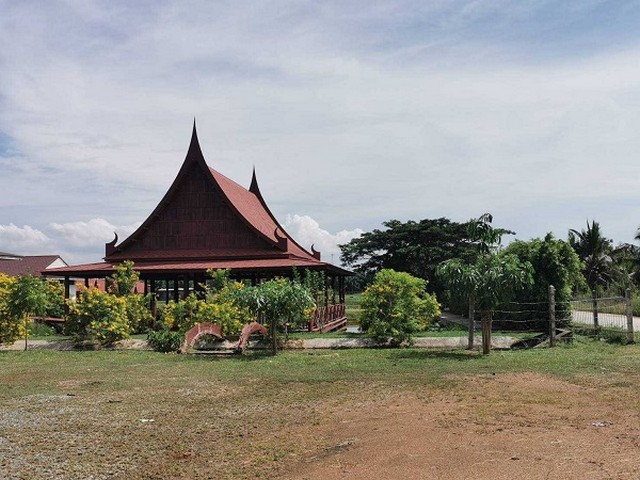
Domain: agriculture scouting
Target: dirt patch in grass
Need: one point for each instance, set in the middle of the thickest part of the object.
(490, 427)
(568, 413)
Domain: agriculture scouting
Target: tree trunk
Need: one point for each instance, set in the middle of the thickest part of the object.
(274, 338)
(472, 317)
(487, 320)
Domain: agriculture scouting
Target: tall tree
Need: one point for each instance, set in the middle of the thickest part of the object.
(418, 247)
(595, 251)
(555, 263)
(486, 282)
(28, 297)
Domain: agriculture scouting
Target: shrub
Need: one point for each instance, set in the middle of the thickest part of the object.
(11, 326)
(138, 313)
(99, 316)
(220, 309)
(122, 283)
(180, 316)
(39, 329)
(123, 280)
(554, 263)
(278, 301)
(164, 340)
(396, 305)
(54, 292)
(226, 314)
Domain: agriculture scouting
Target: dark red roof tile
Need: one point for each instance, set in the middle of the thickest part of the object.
(27, 265)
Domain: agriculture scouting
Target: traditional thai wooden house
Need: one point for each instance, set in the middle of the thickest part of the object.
(208, 221)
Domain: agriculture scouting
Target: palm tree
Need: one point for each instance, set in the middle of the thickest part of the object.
(485, 283)
(595, 252)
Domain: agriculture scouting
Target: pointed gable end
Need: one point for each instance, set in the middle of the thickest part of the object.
(205, 215)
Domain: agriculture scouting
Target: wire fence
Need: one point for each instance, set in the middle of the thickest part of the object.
(522, 317)
(607, 318)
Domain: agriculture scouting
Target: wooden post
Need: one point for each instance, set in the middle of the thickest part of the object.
(326, 290)
(176, 293)
(627, 296)
(333, 289)
(594, 300)
(154, 300)
(186, 283)
(66, 296)
(552, 316)
(472, 320)
(199, 286)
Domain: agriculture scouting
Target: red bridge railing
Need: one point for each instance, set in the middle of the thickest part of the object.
(329, 318)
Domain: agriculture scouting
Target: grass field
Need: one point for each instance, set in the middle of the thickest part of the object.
(136, 414)
(352, 308)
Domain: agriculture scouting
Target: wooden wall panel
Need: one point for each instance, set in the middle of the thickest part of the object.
(197, 218)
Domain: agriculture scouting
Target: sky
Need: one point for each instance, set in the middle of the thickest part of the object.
(352, 112)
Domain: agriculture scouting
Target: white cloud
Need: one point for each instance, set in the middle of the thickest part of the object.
(94, 233)
(353, 112)
(306, 231)
(23, 240)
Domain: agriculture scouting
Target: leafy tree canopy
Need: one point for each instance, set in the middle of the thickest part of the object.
(595, 251)
(555, 263)
(419, 247)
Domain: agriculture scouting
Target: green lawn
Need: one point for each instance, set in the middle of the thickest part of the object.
(352, 307)
(41, 371)
(87, 414)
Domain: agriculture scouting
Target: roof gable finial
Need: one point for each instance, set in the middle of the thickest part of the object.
(195, 152)
(253, 188)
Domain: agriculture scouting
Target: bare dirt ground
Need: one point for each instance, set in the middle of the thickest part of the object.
(498, 427)
(378, 414)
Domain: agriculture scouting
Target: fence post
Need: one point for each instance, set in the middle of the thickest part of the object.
(472, 322)
(594, 300)
(627, 296)
(552, 316)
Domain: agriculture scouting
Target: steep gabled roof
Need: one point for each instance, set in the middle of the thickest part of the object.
(206, 220)
(249, 207)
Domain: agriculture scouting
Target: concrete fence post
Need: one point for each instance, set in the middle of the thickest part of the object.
(594, 302)
(629, 312)
(472, 321)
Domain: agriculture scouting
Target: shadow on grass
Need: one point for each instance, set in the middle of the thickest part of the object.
(415, 354)
(251, 356)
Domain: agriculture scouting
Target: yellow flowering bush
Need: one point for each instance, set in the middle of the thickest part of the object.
(181, 315)
(138, 312)
(227, 315)
(97, 315)
(122, 283)
(11, 326)
(219, 309)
